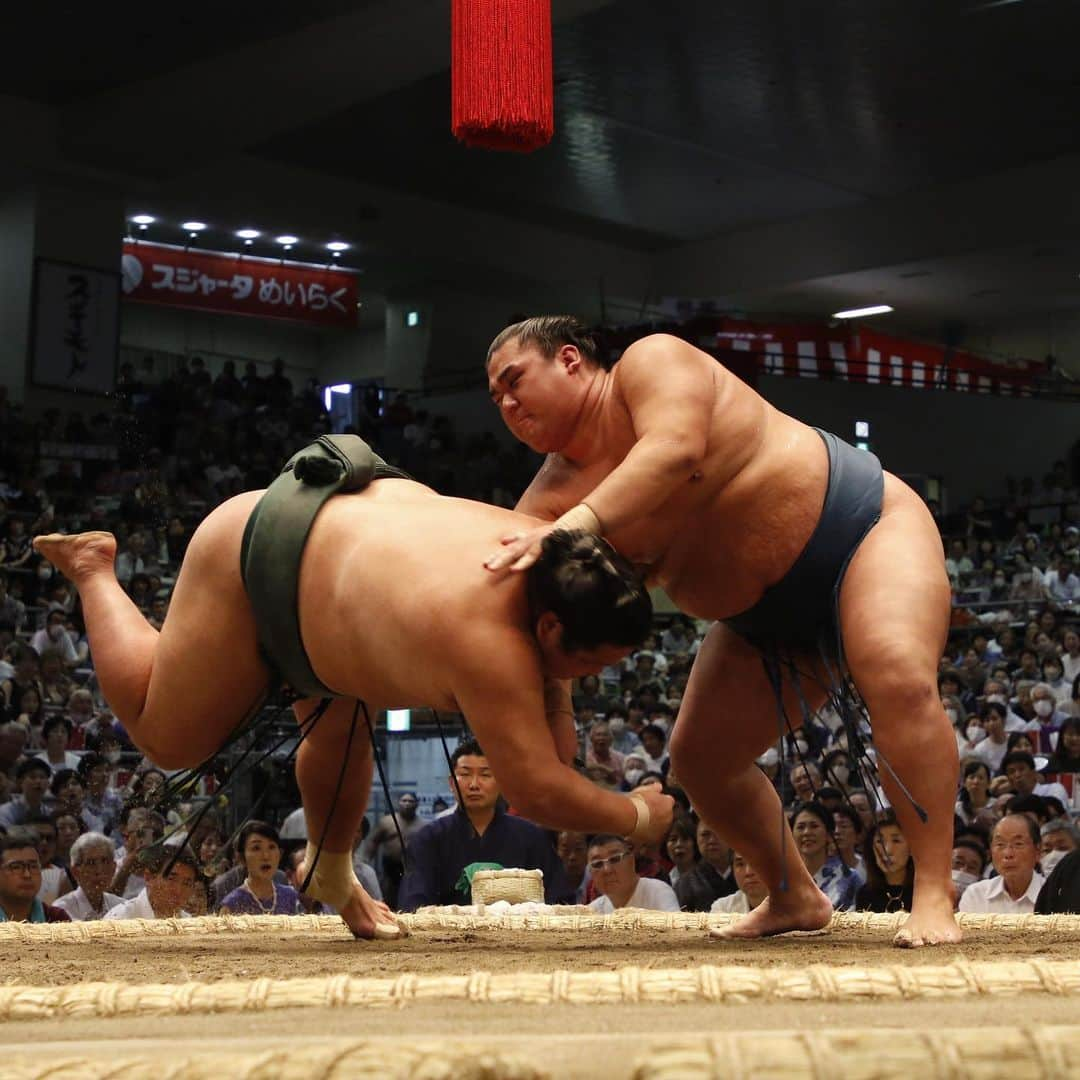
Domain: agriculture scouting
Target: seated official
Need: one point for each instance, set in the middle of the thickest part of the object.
(479, 830)
(1061, 893)
(611, 863)
(168, 887)
(1014, 849)
(751, 892)
(20, 880)
(93, 862)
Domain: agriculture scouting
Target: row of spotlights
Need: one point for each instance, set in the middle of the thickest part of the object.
(193, 228)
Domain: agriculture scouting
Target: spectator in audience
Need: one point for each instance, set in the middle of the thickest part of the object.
(55, 879)
(654, 745)
(68, 796)
(212, 856)
(170, 876)
(611, 864)
(1070, 656)
(32, 780)
(623, 739)
(813, 828)
(859, 801)
(848, 838)
(601, 753)
(1060, 894)
(1049, 717)
(968, 863)
(572, 849)
(805, 779)
(974, 805)
(12, 610)
(53, 636)
(751, 889)
(56, 684)
(1019, 768)
(838, 770)
(681, 847)
(1061, 583)
(57, 732)
(140, 828)
(711, 878)
(480, 830)
(259, 849)
(93, 862)
(363, 870)
(99, 800)
(994, 746)
(1014, 848)
(1066, 755)
(1059, 837)
(26, 677)
(20, 881)
(890, 870)
(69, 827)
(384, 841)
(13, 739)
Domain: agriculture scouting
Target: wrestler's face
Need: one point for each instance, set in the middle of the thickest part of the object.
(560, 664)
(539, 397)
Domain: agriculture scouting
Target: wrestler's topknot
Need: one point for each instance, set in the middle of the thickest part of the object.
(597, 595)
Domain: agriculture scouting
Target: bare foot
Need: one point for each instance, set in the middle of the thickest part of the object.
(931, 922)
(806, 912)
(78, 555)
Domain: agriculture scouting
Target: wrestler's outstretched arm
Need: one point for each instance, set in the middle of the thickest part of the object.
(669, 391)
(504, 707)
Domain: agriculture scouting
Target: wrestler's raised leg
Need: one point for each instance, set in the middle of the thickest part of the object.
(894, 613)
(319, 764)
(728, 718)
(179, 692)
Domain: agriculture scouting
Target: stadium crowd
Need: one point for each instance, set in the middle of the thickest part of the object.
(89, 828)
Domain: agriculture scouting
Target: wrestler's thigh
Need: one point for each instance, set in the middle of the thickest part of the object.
(728, 714)
(207, 673)
(895, 601)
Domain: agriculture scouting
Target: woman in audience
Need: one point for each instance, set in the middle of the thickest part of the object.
(56, 684)
(1066, 756)
(812, 826)
(994, 746)
(1020, 740)
(839, 771)
(69, 827)
(30, 714)
(681, 847)
(259, 848)
(958, 716)
(974, 805)
(890, 872)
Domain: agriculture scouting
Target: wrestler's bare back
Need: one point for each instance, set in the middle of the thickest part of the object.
(740, 523)
(392, 593)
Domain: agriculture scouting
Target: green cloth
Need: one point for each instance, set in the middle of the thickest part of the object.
(464, 883)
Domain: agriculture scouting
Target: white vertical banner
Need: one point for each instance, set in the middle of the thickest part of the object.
(838, 355)
(896, 370)
(74, 339)
(774, 357)
(873, 366)
(807, 352)
(918, 374)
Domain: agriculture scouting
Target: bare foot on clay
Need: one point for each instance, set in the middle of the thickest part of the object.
(78, 555)
(930, 923)
(803, 913)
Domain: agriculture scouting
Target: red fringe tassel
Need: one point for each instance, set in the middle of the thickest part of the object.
(501, 79)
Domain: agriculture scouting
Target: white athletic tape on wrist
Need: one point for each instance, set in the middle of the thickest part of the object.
(580, 517)
(641, 826)
(334, 876)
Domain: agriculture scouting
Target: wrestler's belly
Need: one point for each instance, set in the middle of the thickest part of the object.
(748, 536)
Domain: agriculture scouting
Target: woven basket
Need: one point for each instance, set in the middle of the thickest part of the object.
(513, 886)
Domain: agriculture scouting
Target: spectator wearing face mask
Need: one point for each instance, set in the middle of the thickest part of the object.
(968, 863)
(623, 739)
(957, 716)
(1049, 717)
(53, 635)
(1059, 837)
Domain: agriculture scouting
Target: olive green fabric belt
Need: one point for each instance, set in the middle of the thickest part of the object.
(274, 540)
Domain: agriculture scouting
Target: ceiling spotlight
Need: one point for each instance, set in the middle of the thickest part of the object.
(858, 313)
(248, 234)
(193, 226)
(287, 241)
(142, 220)
(337, 247)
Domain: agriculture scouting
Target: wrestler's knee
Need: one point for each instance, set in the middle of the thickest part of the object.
(896, 685)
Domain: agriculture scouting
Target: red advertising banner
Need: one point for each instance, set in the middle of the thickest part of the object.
(851, 354)
(237, 285)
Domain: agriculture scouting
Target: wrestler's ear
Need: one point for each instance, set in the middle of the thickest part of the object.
(569, 357)
(549, 631)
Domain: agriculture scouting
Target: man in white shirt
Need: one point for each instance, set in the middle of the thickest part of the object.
(92, 866)
(168, 888)
(611, 862)
(1014, 848)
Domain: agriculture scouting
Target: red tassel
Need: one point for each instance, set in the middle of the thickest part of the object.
(502, 85)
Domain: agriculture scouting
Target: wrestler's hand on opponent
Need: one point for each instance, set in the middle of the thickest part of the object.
(520, 550)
